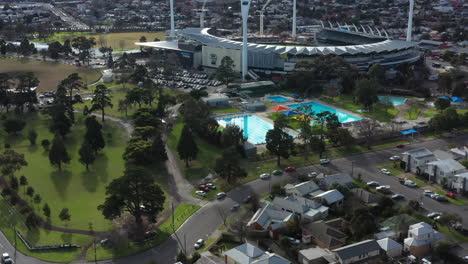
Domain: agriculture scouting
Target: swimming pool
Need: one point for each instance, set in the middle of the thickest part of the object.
(319, 108)
(396, 101)
(254, 128)
(278, 99)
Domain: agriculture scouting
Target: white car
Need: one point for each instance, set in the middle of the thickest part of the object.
(200, 242)
(398, 196)
(394, 158)
(220, 195)
(201, 193)
(294, 241)
(383, 189)
(6, 259)
(428, 193)
(265, 176)
(434, 215)
(410, 184)
(312, 174)
(211, 186)
(373, 184)
(324, 161)
(385, 171)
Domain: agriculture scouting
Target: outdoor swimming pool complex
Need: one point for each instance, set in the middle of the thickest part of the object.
(396, 101)
(254, 128)
(319, 108)
(278, 99)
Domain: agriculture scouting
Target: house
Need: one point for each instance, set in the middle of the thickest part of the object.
(303, 189)
(460, 182)
(326, 234)
(209, 260)
(365, 196)
(416, 160)
(302, 207)
(314, 255)
(250, 254)
(390, 247)
(331, 198)
(340, 178)
(268, 218)
(421, 237)
(444, 169)
(357, 252)
(386, 232)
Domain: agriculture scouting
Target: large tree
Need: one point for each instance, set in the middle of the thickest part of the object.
(87, 154)
(366, 92)
(136, 193)
(377, 72)
(11, 161)
(61, 112)
(58, 154)
(84, 47)
(72, 83)
(278, 142)
(25, 92)
(187, 147)
(93, 134)
(228, 167)
(232, 135)
(101, 99)
(225, 72)
(13, 126)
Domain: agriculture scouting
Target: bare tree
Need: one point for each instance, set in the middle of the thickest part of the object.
(238, 225)
(223, 214)
(368, 129)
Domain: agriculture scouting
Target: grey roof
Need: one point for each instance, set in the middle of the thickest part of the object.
(303, 188)
(201, 35)
(357, 249)
(366, 196)
(326, 233)
(209, 260)
(295, 203)
(271, 258)
(341, 178)
(314, 253)
(448, 165)
(388, 244)
(244, 253)
(267, 216)
(419, 153)
(331, 196)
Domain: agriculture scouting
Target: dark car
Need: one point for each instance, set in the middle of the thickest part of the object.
(400, 146)
(247, 199)
(441, 199)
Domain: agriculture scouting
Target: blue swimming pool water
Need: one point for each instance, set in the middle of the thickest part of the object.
(254, 128)
(318, 108)
(396, 101)
(278, 99)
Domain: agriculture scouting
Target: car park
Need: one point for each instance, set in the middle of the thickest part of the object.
(200, 193)
(265, 176)
(398, 196)
(277, 172)
(290, 169)
(220, 195)
(373, 184)
(385, 171)
(394, 158)
(433, 215)
(199, 244)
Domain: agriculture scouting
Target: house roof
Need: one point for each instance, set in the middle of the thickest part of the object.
(314, 253)
(341, 178)
(303, 188)
(245, 253)
(463, 175)
(419, 153)
(326, 233)
(366, 196)
(421, 228)
(388, 244)
(209, 260)
(448, 165)
(399, 222)
(357, 249)
(331, 196)
(296, 203)
(267, 216)
(271, 258)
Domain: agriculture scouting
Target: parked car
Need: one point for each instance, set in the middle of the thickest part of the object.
(440, 198)
(220, 195)
(451, 195)
(400, 146)
(385, 171)
(434, 215)
(200, 193)
(373, 184)
(398, 196)
(428, 193)
(277, 172)
(203, 187)
(235, 207)
(410, 183)
(6, 259)
(149, 234)
(393, 158)
(247, 199)
(290, 169)
(312, 174)
(294, 241)
(265, 176)
(383, 189)
(211, 186)
(200, 242)
(324, 161)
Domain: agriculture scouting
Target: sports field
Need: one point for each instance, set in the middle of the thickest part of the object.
(49, 73)
(118, 41)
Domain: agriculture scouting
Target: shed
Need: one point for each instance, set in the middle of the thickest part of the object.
(255, 106)
(216, 100)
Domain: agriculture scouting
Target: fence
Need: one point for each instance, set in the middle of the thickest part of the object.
(53, 247)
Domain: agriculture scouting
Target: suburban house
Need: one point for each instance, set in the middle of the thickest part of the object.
(416, 160)
(460, 182)
(421, 237)
(357, 252)
(315, 255)
(250, 254)
(302, 207)
(326, 234)
(331, 198)
(268, 218)
(303, 189)
(340, 178)
(365, 196)
(460, 151)
(444, 169)
(390, 247)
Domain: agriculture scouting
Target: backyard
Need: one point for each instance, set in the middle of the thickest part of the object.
(49, 73)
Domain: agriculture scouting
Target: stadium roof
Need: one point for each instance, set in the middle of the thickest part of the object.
(201, 35)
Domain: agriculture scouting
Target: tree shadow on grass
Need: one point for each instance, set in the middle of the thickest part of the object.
(61, 180)
(33, 148)
(66, 238)
(90, 181)
(33, 237)
(14, 139)
(100, 167)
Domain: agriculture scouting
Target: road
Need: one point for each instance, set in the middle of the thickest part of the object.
(206, 220)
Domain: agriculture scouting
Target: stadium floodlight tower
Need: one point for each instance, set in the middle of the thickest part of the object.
(171, 2)
(410, 20)
(293, 35)
(245, 5)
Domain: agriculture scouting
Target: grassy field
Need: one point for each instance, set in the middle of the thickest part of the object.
(39, 237)
(118, 41)
(181, 213)
(49, 73)
(73, 187)
(413, 113)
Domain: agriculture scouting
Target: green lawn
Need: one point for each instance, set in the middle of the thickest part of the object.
(430, 112)
(40, 237)
(420, 183)
(207, 154)
(413, 113)
(293, 123)
(181, 213)
(392, 166)
(225, 110)
(377, 112)
(459, 201)
(452, 233)
(73, 187)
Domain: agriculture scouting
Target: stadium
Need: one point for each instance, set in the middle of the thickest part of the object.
(205, 47)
